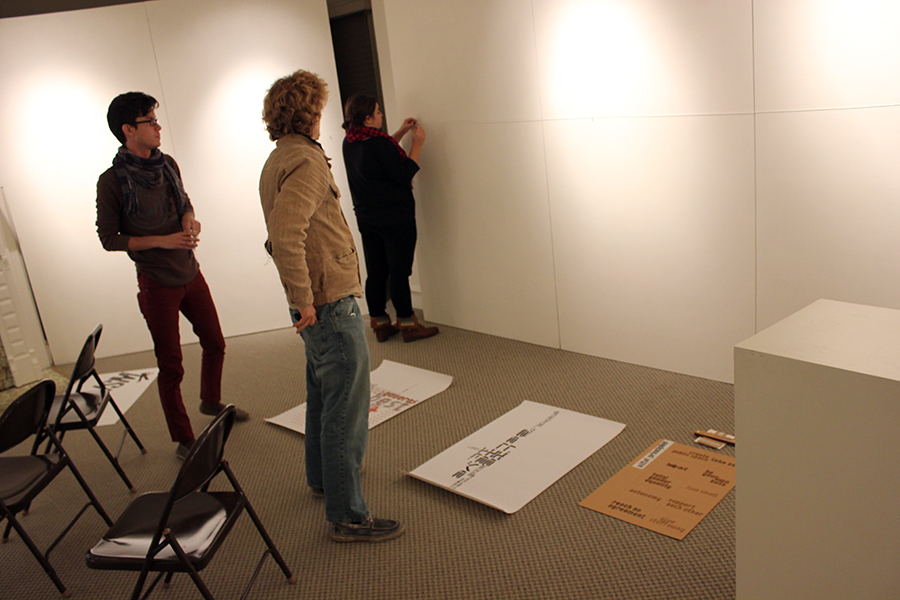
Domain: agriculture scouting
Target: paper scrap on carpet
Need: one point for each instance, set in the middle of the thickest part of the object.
(125, 387)
(394, 388)
(510, 461)
(668, 489)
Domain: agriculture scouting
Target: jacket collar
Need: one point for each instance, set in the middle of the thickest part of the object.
(302, 138)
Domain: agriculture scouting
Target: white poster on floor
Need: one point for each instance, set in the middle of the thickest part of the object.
(510, 461)
(394, 387)
(124, 386)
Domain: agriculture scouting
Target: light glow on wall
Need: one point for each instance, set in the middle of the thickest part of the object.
(60, 133)
(855, 42)
(237, 100)
(851, 30)
(58, 117)
(233, 110)
(601, 62)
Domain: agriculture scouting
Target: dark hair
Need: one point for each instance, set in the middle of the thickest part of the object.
(126, 109)
(357, 108)
(294, 103)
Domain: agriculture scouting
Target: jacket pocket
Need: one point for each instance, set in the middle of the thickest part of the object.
(343, 272)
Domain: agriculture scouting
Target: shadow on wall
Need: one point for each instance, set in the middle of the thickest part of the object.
(6, 378)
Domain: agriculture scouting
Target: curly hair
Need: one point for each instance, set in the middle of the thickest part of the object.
(294, 103)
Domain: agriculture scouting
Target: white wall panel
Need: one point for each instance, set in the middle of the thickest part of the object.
(468, 71)
(484, 230)
(654, 238)
(828, 186)
(60, 73)
(472, 62)
(468, 74)
(644, 57)
(814, 54)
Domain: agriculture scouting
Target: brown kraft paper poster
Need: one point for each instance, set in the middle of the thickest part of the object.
(668, 489)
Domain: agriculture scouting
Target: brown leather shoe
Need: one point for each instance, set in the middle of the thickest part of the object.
(415, 330)
(382, 330)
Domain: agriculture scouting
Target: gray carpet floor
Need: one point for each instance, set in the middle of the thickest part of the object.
(454, 548)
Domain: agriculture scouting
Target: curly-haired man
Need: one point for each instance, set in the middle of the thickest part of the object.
(313, 249)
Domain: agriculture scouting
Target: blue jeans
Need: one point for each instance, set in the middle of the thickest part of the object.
(337, 407)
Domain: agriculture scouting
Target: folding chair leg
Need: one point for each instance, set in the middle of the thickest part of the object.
(90, 494)
(48, 568)
(259, 526)
(128, 429)
(121, 443)
(198, 581)
(113, 460)
(269, 543)
(259, 565)
(59, 436)
(66, 530)
(139, 586)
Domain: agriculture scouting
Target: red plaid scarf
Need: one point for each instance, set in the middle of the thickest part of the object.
(356, 134)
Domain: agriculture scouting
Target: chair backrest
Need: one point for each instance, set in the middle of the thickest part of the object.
(26, 415)
(202, 462)
(84, 366)
(96, 335)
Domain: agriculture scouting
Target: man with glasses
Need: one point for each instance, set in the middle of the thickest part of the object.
(142, 209)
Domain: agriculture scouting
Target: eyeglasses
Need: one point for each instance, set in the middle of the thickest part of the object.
(152, 122)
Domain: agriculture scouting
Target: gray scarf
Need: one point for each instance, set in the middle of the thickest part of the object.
(131, 169)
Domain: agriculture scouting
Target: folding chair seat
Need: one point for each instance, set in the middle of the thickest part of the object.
(180, 531)
(22, 478)
(79, 409)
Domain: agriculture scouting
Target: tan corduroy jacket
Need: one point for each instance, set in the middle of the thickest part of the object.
(312, 246)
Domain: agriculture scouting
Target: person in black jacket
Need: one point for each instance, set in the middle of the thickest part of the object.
(380, 174)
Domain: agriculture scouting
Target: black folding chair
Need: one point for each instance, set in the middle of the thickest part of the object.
(80, 409)
(179, 531)
(22, 478)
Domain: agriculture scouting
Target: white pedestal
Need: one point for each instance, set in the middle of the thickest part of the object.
(817, 412)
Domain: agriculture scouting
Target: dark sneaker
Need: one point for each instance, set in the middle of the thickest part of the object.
(370, 530)
(215, 409)
(182, 450)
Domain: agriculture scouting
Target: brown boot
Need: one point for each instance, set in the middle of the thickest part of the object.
(383, 330)
(415, 330)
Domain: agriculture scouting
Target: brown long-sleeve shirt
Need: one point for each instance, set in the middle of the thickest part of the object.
(157, 214)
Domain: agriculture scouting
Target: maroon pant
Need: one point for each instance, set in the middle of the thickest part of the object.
(160, 306)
